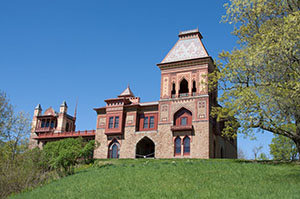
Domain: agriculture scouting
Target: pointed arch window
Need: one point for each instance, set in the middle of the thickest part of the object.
(113, 149)
(186, 145)
(184, 88)
(194, 90)
(177, 146)
(173, 93)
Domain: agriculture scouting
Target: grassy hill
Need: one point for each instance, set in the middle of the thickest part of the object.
(175, 179)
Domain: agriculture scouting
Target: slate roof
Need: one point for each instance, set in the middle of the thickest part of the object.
(127, 93)
(189, 46)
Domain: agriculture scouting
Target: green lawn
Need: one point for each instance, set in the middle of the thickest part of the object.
(176, 179)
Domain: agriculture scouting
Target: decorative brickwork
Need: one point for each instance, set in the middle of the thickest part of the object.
(177, 126)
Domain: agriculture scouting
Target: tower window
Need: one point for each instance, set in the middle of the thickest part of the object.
(52, 124)
(43, 124)
(173, 93)
(110, 122)
(184, 88)
(194, 90)
(47, 123)
(67, 127)
(116, 122)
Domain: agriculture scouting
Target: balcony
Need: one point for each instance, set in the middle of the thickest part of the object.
(182, 128)
(75, 134)
(183, 94)
(43, 130)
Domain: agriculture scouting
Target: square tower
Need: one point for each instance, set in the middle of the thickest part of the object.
(184, 98)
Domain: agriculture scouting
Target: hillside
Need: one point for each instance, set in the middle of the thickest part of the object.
(175, 179)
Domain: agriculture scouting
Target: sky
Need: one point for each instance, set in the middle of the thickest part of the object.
(89, 51)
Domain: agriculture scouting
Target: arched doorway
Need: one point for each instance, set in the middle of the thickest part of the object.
(145, 148)
(113, 149)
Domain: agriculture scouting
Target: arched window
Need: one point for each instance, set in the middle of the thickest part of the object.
(113, 149)
(177, 146)
(222, 152)
(67, 127)
(184, 88)
(173, 93)
(43, 124)
(194, 90)
(52, 124)
(186, 146)
(183, 117)
(215, 149)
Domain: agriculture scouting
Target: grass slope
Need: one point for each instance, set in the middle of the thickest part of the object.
(176, 179)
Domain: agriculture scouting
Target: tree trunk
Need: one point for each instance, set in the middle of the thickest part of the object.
(297, 142)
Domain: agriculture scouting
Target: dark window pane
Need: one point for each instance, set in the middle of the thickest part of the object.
(186, 143)
(52, 124)
(178, 145)
(67, 127)
(110, 122)
(145, 122)
(43, 124)
(151, 125)
(47, 123)
(183, 121)
(117, 122)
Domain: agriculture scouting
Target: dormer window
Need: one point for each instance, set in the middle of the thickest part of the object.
(183, 121)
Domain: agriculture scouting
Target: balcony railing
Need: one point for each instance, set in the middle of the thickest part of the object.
(183, 94)
(182, 128)
(45, 129)
(89, 133)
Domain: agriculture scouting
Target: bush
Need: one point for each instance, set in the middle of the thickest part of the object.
(63, 155)
(24, 172)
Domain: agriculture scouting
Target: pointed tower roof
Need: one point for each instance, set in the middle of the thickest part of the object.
(64, 104)
(38, 107)
(189, 46)
(126, 93)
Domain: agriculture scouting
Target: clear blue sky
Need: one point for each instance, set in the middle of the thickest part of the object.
(55, 50)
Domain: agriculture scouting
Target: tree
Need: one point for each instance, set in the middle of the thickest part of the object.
(256, 151)
(241, 154)
(64, 154)
(283, 148)
(14, 128)
(259, 80)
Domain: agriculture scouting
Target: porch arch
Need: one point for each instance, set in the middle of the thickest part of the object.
(145, 148)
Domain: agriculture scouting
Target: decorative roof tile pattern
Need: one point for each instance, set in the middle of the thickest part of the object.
(186, 48)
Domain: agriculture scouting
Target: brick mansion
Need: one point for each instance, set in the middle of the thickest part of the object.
(178, 125)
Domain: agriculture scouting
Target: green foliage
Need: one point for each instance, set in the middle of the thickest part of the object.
(263, 156)
(282, 148)
(24, 172)
(64, 154)
(14, 129)
(259, 80)
(185, 178)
